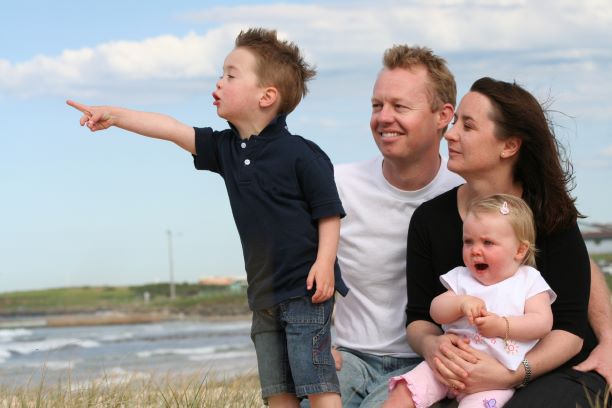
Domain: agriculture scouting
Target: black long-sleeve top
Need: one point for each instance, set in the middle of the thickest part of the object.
(435, 247)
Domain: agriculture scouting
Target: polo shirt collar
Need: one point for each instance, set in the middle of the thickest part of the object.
(274, 129)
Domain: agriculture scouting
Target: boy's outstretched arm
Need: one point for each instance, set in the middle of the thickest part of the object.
(149, 124)
(322, 271)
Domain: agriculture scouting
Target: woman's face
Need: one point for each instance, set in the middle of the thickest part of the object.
(473, 148)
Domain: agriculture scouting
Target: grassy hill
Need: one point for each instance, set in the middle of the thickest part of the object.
(190, 299)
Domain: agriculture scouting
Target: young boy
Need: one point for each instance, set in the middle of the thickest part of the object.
(285, 204)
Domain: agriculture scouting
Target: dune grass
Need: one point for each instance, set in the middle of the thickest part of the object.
(169, 391)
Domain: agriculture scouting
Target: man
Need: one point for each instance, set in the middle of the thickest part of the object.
(412, 104)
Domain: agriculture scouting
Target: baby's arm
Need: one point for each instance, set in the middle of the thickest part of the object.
(153, 125)
(534, 324)
(449, 306)
(322, 271)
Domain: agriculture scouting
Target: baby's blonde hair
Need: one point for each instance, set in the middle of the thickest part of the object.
(518, 214)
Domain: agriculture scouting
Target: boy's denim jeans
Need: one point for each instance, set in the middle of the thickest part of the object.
(293, 345)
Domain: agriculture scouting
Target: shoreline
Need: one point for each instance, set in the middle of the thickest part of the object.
(108, 318)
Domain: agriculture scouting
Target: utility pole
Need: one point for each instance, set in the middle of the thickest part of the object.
(171, 265)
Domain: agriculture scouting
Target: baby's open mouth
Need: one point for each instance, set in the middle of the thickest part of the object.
(481, 266)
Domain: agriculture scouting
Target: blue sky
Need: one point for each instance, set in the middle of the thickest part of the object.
(90, 209)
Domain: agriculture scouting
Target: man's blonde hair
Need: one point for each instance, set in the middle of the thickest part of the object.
(278, 64)
(518, 214)
(441, 84)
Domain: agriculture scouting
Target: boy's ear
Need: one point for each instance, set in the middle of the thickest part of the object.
(269, 97)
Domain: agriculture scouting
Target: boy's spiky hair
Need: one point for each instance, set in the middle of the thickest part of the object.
(278, 64)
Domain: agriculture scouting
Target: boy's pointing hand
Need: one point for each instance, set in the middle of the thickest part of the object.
(95, 117)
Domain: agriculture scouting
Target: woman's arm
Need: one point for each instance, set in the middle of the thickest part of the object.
(551, 352)
(600, 317)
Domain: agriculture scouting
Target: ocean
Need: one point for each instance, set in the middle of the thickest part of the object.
(118, 352)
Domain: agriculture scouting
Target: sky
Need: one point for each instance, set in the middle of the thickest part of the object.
(80, 208)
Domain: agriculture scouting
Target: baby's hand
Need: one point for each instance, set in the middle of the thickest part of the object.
(473, 307)
(491, 325)
(323, 276)
(95, 117)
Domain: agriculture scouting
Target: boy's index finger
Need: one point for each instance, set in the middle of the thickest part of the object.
(80, 107)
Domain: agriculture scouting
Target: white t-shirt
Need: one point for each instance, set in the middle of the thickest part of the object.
(372, 256)
(505, 298)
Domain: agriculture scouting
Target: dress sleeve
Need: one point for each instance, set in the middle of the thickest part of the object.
(420, 273)
(564, 263)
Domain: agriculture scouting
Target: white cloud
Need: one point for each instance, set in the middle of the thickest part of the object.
(121, 64)
(538, 43)
(607, 152)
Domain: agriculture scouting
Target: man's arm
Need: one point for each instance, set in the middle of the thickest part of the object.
(322, 271)
(600, 317)
(149, 124)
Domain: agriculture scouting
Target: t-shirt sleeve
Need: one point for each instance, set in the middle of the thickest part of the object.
(316, 178)
(207, 150)
(537, 284)
(450, 280)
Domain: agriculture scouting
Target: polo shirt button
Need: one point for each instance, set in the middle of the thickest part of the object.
(247, 162)
(243, 145)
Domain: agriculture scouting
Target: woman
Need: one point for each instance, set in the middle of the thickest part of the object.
(501, 143)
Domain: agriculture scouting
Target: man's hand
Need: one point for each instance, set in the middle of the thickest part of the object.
(323, 276)
(95, 117)
(599, 360)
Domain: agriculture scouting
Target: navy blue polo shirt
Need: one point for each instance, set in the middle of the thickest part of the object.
(279, 186)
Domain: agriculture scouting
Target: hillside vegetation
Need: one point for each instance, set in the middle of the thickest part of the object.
(190, 299)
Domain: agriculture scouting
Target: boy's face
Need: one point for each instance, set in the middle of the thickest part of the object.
(238, 92)
(491, 250)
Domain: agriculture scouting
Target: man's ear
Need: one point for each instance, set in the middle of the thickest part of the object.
(445, 115)
(512, 145)
(269, 97)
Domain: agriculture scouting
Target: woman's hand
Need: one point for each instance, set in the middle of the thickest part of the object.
(482, 372)
(442, 352)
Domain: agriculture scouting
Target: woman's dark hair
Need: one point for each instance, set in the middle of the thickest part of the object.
(542, 167)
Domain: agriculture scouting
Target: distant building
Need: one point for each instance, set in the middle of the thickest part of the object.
(236, 284)
(597, 236)
(217, 281)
